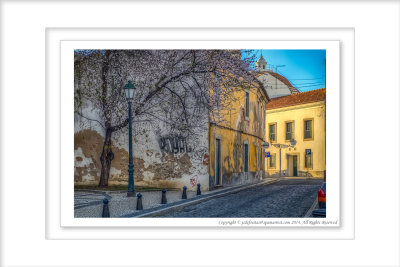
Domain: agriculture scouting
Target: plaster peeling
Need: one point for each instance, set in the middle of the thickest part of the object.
(81, 160)
(148, 175)
(114, 171)
(146, 164)
(88, 178)
(239, 119)
(153, 167)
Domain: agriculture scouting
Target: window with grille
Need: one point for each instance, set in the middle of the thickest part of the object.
(308, 159)
(272, 161)
(272, 132)
(308, 134)
(289, 131)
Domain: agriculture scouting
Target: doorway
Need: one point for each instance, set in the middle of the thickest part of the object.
(217, 161)
(294, 165)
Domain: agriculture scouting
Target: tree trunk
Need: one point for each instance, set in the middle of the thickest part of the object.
(106, 157)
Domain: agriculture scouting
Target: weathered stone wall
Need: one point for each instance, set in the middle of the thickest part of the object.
(170, 160)
(160, 159)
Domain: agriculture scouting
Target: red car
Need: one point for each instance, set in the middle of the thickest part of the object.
(322, 196)
(321, 212)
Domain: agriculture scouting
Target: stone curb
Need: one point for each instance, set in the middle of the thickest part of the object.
(117, 191)
(184, 204)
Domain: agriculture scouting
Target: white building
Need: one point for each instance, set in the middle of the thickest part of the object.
(275, 84)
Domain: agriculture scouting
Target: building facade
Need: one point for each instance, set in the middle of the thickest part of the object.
(235, 145)
(299, 117)
(223, 152)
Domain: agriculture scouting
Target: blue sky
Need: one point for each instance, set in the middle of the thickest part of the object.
(305, 69)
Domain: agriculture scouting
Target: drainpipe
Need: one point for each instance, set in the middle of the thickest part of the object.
(280, 161)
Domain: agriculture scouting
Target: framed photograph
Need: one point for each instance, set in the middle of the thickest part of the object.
(152, 141)
(197, 133)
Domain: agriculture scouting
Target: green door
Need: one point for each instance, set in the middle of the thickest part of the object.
(294, 165)
(218, 162)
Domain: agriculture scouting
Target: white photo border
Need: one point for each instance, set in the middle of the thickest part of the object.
(54, 38)
(369, 32)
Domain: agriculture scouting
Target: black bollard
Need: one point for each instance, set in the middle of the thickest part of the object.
(164, 196)
(198, 189)
(106, 211)
(184, 196)
(139, 205)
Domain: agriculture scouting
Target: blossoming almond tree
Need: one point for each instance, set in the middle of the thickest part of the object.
(184, 89)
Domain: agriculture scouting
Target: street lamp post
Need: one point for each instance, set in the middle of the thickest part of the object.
(129, 93)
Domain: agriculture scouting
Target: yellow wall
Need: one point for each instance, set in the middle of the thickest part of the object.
(298, 114)
(233, 131)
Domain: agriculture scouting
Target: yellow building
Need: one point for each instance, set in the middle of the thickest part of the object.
(235, 143)
(300, 117)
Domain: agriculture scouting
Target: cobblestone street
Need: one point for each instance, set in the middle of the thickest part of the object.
(286, 198)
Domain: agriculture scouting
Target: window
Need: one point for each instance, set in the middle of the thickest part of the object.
(272, 132)
(289, 131)
(308, 159)
(308, 129)
(246, 157)
(247, 108)
(272, 161)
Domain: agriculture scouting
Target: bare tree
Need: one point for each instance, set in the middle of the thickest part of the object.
(181, 88)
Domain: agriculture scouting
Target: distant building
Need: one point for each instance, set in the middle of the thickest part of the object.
(301, 117)
(275, 84)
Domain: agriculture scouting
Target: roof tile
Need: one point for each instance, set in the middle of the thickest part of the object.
(297, 99)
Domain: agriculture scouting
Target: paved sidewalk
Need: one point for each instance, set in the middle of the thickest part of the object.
(89, 204)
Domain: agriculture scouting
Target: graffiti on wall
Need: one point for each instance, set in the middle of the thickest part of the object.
(179, 145)
(174, 144)
(205, 159)
(193, 180)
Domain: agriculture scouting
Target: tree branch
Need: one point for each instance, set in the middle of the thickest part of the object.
(80, 114)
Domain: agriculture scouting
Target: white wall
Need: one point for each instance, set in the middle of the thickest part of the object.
(274, 87)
